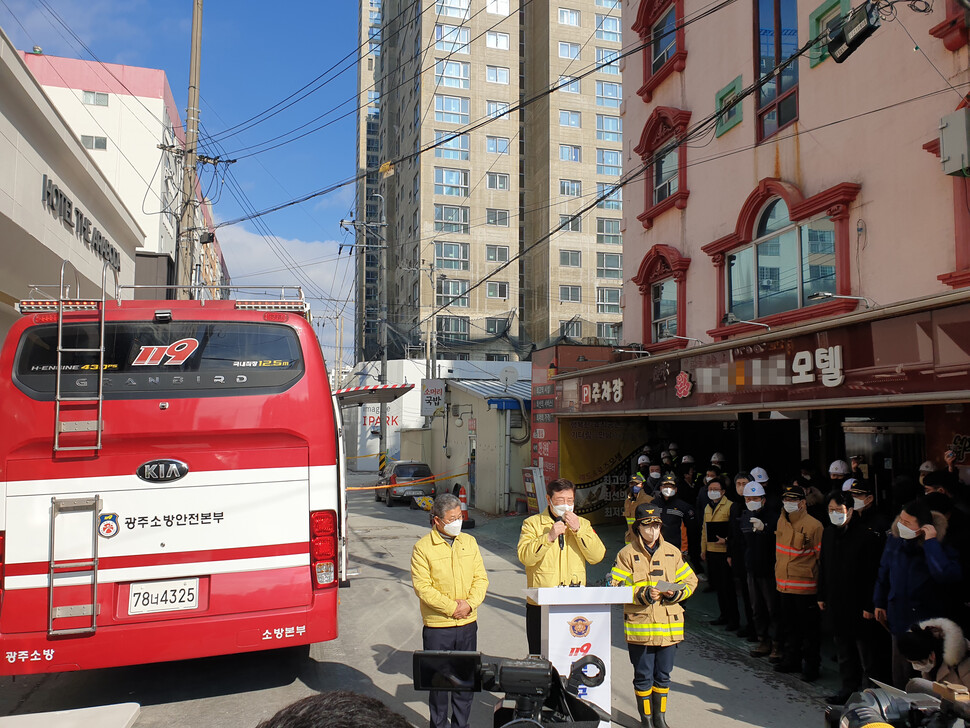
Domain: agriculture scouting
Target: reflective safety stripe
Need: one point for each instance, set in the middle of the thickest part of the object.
(654, 630)
(795, 552)
(797, 584)
(629, 521)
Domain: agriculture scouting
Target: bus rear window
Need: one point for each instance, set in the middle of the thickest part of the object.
(145, 360)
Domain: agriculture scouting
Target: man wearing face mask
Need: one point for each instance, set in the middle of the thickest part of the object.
(714, 553)
(846, 577)
(757, 525)
(654, 476)
(555, 546)
(449, 578)
(798, 540)
(915, 575)
(654, 622)
(636, 494)
(678, 517)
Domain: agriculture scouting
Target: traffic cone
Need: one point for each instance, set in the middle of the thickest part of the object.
(466, 521)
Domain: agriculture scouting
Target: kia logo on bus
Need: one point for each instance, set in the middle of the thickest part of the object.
(162, 471)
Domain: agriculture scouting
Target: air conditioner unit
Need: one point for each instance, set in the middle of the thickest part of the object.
(766, 283)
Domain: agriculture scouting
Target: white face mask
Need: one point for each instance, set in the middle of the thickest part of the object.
(714, 495)
(754, 505)
(654, 475)
(837, 518)
(650, 534)
(858, 504)
(668, 492)
(791, 506)
(452, 529)
(924, 666)
(560, 511)
(708, 478)
(906, 532)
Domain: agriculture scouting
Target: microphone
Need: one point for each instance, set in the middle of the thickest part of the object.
(562, 538)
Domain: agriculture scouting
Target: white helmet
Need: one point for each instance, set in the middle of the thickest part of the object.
(759, 475)
(687, 459)
(665, 455)
(754, 490)
(717, 457)
(672, 446)
(839, 467)
(928, 467)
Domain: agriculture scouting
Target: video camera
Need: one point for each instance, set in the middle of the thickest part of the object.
(924, 704)
(534, 690)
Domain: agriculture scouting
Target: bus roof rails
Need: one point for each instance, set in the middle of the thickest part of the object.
(64, 302)
(290, 299)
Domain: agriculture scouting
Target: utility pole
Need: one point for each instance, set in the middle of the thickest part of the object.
(382, 308)
(185, 246)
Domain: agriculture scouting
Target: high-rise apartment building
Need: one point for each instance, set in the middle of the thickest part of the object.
(503, 126)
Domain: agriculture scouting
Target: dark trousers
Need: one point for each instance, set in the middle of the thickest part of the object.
(720, 578)
(764, 606)
(465, 638)
(741, 587)
(651, 665)
(533, 628)
(875, 650)
(800, 625)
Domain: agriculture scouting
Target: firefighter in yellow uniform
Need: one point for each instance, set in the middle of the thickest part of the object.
(636, 494)
(654, 620)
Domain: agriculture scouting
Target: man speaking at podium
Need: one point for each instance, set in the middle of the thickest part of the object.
(554, 547)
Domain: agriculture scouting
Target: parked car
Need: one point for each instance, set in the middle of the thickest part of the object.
(400, 477)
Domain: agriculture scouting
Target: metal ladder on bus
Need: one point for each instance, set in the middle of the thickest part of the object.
(82, 567)
(73, 426)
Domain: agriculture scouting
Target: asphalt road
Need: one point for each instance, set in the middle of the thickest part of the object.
(715, 683)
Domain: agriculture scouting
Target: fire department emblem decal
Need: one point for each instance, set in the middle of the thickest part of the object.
(683, 385)
(579, 626)
(108, 525)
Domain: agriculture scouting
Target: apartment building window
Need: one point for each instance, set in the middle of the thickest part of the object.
(570, 118)
(608, 161)
(452, 292)
(568, 17)
(497, 253)
(570, 294)
(450, 219)
(496, 289)
(453, 8)
(668, 162)
(498, 41)
(94, 98)
(568, 50)
(608, 28)
(497, 217)
(571, 258)
(497, 7)
(454, 328)
(451, 38)
(777, 24)
(496, 325)
(497, 181)
(451, 109)
(608, 61)
(568, 85)
(609, 333)
(496, 109)
(611, 4)
(608, 196)
(665, 176)
(727, 106)
(496, 145)
(452, 182)
(570, 153)
(571, 329)
(608, 231)
(451, 145)
(570, 187)
(454, 74)
(609, 128)
(98, 143)
(661, 28)
(607, 300)
(571, 223)
(451, 256)
(664, 319)
(664, 35)
(609, 94)
(497, 74)
(609, 265)
(496, 357)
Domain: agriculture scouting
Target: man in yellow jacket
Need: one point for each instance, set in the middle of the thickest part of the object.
(449, 578)
(654, 620)
(554, 547)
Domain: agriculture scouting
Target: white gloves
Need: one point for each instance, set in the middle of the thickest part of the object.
(757, 524)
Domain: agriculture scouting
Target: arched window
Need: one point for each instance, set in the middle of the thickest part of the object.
(660, 25)
(667, 173)
(662, 281)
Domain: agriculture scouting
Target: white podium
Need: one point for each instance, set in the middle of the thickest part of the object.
(576, 624)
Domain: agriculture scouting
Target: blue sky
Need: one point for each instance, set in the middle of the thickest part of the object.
(254, 55)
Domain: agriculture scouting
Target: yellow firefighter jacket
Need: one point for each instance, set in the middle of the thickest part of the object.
(798, 543)
(662, 623)
(442, 574)
(548, 565)
(630, 509)
(719, 513)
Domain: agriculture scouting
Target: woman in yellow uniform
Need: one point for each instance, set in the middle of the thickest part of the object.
(654, 620)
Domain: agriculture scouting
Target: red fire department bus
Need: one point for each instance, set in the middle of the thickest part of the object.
(171, 483)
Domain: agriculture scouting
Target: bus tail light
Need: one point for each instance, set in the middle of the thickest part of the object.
(323, 548)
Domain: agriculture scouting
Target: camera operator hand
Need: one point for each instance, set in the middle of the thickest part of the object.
(557, 530)
(571, 520)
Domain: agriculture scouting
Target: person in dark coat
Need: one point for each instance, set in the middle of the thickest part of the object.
(736, 548)
(958, 538)
(677, 515)
(757, 527)
(915, 574)
(847, 572)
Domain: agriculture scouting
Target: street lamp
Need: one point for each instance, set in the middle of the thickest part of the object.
(730, 318)
(824, 295)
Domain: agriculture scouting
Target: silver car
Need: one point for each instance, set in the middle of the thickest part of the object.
(401, 476)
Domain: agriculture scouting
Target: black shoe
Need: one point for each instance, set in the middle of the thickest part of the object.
(786, 666)
(752, 637)
(839, 699)
(717, 622)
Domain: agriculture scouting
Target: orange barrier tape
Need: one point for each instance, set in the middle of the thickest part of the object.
(423, 481)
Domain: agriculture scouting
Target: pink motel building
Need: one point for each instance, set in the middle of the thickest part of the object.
(797, 274)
